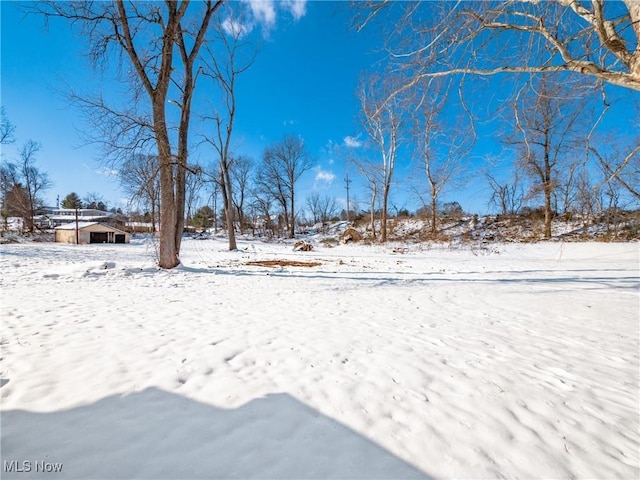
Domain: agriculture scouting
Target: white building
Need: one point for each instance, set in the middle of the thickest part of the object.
(90, 232)
(61, 216)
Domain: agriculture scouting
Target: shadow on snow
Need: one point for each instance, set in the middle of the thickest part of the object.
(569, 277)
(161, 435)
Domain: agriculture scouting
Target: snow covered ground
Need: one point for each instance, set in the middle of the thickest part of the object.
(518, 361)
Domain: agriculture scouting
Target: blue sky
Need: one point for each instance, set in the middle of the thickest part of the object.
(303, 81)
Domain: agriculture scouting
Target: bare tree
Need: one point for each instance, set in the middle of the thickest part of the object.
(322, 209)
(7, 129)
(194, 183)
(620, 168)
(566, 191)
(95, 200)
(147, 37)
(593, 38)
(442, 141)
(382, 120)
(369, 168)
(282, 166)
(586, 198)
(547, 121)
(233, 57)
(12, 192)
(262, 205)
(139, 177)
(91, 200)
(8, 173)
(241, 170)
(609, 201)
(508, 195)
(35, 181)
(22, 184)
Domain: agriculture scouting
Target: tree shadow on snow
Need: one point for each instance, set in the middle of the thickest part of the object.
(155, 434)
(580, 282)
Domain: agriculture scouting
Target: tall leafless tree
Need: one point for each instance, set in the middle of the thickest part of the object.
(241, 171)
(7, 175)
(147, 38)
(442, 141)
(230, 55)
(383, 120)
(549, 133)
(371, 172)
(283, 164)
(22, 185)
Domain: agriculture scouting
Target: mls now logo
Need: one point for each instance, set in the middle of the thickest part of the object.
(26, 466)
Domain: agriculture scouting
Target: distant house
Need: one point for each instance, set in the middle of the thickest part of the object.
(55, 217)
(90, 232)
(139, 227)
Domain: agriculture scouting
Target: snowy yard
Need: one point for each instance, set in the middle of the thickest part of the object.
(520, 361)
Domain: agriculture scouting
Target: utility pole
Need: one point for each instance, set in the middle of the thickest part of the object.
(347, 182)
(77, 229)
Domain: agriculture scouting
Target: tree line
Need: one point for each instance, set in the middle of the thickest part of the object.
(421, 104)
(564, 62)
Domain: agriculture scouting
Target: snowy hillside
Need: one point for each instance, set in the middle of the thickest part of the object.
(514, 361)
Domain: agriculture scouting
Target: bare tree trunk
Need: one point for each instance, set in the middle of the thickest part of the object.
(383, 121)
(385, 200)
(229, 210)
(549, 121)
(168, 251)
(547, 212)
(292, 228)
(148, 35)
(548, 188)
(153, 217)
(374, 193)
(434, 208)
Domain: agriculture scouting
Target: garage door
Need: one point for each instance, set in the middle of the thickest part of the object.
(120, 238)
(99, 237)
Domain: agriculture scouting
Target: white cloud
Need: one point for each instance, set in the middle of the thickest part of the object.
(107, 172)
(235, 28)
(297, 8)
(263, 11)
(323, 177)
(352, 142)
